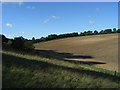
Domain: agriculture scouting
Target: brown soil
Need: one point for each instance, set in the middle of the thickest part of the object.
(99, 48)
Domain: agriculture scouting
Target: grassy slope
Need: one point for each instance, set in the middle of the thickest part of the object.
(24, 70)
(103, 48)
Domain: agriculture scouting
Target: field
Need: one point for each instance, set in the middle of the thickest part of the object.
(64, 63)
(22, 70)
(98, 50)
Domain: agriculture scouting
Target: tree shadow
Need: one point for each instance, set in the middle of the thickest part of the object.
(31, 64)
(53, 53)
(85, 62)
(69, 57)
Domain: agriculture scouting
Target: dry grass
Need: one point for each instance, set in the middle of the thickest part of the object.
(24, 70)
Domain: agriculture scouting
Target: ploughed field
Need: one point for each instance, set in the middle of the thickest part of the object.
(96, 50)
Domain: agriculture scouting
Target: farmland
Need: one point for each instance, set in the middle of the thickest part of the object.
(99, 49)
(60, 63)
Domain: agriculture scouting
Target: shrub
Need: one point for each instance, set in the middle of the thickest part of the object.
(9, 43)
(18, 43)
(28, 46)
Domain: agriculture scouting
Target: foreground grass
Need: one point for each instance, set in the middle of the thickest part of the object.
(23, 70)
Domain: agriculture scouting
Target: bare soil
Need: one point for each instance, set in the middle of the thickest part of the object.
(98, 50)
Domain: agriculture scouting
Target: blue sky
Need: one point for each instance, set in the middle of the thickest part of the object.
(37, 19)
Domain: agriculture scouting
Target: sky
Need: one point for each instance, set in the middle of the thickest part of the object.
(39, 19)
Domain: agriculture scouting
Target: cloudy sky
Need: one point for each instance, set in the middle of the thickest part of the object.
(37, 19)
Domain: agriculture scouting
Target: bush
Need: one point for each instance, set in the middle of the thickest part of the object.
(28, 46)
(18, 43)
(9, 43)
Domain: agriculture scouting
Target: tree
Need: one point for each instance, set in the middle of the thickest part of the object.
(95, 32)
(101, 32)
(61, 36)
(28, 46)
(18, 43)
(118, 31)
(4, 39)
(75, 34)
(108, 31)
(33, 39)
(9, 43)
(85, 33)
(89, 32)
(42, 39)
(82, 34)
(114, 30)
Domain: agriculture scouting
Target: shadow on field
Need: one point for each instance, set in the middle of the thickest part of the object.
(85, 62)
(67, 56)
(54, 54)
(33, 65)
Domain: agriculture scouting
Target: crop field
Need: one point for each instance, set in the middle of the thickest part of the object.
(98, 50)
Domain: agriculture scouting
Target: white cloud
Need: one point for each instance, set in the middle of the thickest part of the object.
(54, 17)
(115, 25)
(45, 21)
(9, 35)
(48, 19)
(26, 33)
(23, 32)
(30, 7)
(12, 35)
(9, 25)
(91, 22)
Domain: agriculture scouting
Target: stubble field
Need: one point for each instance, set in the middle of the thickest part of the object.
(98, 50)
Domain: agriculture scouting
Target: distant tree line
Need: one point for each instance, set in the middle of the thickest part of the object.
(75, 34)
(20, 43)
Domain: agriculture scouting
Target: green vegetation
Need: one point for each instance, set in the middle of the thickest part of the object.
(18, 43)
(75, 34)
(24, 67)
(21, 69)
(21, 40)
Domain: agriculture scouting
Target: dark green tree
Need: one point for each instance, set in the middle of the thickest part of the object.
(33, 39)
(75, 34)
(95, 32)
(4, 39)
(28, 46)
(9, 43)
(108, 31)
(101, 32)
(82, 34)
(114, 30)
(18, 43)
(118, 31)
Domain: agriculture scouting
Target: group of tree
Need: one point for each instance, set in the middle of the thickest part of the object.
(24, 44)
(18, 43)
(75, 34)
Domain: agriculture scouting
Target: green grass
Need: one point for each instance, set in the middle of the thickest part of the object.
(21, 70)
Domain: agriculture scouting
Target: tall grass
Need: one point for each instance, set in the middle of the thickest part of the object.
(22, 70)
